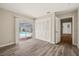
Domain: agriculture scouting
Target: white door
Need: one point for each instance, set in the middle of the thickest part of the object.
(58, 30)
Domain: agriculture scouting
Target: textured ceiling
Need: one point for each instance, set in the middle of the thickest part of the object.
(37, 9)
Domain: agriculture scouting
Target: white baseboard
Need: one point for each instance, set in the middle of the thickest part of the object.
(7, 44)
(48, 41)
(53, 42)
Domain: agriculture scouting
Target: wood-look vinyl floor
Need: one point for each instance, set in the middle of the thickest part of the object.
(39, 48)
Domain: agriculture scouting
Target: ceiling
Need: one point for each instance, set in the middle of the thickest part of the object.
(37, 9)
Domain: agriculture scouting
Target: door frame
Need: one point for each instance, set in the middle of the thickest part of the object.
(69, 16)
(17, 21)
(65, 21)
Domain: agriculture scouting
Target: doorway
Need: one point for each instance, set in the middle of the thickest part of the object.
(23, 30)
(66, 30)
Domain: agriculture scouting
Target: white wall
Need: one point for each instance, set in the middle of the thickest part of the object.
(7, 27)
(44, 28)
(78, 28)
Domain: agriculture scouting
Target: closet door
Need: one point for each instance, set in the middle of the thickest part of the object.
(43, 29)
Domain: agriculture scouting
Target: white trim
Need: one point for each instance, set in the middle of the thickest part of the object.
(46, 41)
(7, 44)
(73, 30)
(53, 42)
(33, 29)
(78, 29)
(16, 31)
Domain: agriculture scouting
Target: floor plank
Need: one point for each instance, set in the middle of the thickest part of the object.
(39, 48)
